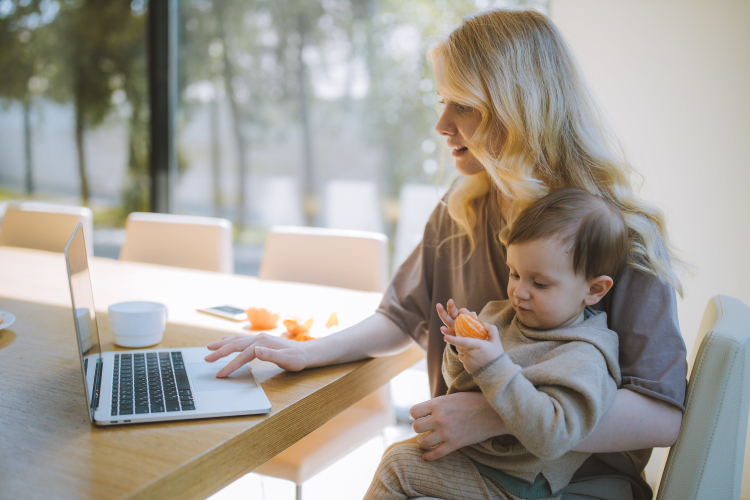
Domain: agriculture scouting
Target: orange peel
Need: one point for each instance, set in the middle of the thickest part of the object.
(261, 318)
(333, 320)
(294, 326)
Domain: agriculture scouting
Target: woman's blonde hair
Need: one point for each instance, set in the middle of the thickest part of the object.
(540, 130)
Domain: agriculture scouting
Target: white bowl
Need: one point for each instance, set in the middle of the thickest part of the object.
(137, 324)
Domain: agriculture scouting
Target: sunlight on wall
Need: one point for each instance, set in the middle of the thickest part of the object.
(672, 77)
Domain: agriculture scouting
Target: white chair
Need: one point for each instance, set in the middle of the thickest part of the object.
(416, 203)
(349, 259)
(335, 257)
(707, 459)
(45, 226)
(179, 240)
(352, 205)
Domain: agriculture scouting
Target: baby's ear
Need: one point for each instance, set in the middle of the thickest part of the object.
(598, 288)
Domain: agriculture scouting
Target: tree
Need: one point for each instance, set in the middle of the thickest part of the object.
(265, 55)
(24, 62)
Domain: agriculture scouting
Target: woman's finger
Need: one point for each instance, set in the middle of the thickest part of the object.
(421, 410)
(235, 344)
(221, 343)
(429, 440)
(242, 358)
(423, 425)
(438, 452)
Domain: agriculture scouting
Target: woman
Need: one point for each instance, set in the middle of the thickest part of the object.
(520, 122)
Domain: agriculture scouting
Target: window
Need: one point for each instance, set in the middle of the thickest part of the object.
(290, 111)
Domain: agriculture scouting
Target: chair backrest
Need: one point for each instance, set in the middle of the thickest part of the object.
(45, 226)
(706, 461)
(179, 240)
(334, 257)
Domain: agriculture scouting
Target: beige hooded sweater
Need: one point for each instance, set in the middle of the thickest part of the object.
(550, 388)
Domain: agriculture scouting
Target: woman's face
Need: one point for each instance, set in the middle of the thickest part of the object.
(457, 123)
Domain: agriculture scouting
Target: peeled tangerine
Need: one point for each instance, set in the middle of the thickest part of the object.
(467, 325)
(298, 331)
(294, 326)
(261, 319)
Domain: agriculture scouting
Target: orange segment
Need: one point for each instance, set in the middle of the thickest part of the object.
(468, 325)
(261, 319)
(294, 326)
(333, 320)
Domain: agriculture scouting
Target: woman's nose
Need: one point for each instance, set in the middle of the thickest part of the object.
(445, 125)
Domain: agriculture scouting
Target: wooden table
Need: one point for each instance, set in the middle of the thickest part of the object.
(48, 448)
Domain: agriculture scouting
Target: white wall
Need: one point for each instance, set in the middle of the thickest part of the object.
(673, 78)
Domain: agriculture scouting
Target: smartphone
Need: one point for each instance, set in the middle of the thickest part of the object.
(226, 312)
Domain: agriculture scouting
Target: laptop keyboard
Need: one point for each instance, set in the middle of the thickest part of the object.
(150, 383)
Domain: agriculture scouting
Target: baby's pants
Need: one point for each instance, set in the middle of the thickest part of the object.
(403, 474)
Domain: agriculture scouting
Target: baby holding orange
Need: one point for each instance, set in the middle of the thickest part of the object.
(549, 365)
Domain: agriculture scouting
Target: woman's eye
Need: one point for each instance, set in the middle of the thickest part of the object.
(462, 107)
(514, 276)
(440, 107)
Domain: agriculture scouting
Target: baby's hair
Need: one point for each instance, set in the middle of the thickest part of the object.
(591, 227)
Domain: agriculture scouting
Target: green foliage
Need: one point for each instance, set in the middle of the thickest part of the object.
(262, 54)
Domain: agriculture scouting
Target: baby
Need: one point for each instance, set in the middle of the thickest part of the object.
(549, 366)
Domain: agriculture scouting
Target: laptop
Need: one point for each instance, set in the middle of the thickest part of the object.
(150, 385)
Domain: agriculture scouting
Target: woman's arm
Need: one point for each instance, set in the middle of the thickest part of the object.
(634, 422)
(376, 335)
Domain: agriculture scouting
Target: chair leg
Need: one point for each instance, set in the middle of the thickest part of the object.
(298, 492)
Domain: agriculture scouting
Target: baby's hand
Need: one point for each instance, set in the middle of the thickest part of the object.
(475, 354)
(448, 316)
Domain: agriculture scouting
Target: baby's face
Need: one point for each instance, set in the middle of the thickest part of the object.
(543, 289)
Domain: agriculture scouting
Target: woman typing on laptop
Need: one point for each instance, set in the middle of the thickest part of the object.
(521, 123)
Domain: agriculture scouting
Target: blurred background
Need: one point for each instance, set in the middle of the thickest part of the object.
(301, 112)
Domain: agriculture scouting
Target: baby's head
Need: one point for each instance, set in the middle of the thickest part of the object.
(564, 253)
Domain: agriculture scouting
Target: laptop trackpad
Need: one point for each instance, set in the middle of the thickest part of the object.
(203, 376)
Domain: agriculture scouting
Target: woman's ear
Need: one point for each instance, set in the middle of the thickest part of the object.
(598, 288)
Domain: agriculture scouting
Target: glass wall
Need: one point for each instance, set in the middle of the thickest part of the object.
(74, 105)
(316, 112)
(311, 112)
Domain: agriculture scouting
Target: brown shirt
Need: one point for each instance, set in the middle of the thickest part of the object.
(640, 308)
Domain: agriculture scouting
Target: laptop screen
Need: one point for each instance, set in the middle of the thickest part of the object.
(84, 315)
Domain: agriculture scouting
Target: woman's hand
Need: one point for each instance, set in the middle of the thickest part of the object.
(287, 354)
(454, 421)
(374, 336)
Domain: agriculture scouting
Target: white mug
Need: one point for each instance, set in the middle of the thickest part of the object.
(137, 324)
